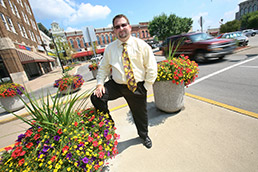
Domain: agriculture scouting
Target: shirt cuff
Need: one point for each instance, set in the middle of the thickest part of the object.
(147, 85)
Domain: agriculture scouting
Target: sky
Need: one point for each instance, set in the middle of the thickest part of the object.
(76, 14)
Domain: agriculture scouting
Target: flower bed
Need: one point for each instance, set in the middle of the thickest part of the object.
(75, 81)
(84, 145)
(11, 89)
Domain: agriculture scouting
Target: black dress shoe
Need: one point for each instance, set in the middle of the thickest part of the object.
(147, 142)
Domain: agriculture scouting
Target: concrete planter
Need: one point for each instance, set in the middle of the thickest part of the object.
(94, 73)
(168, 97)
(12, 104)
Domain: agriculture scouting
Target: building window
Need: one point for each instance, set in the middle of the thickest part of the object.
(11, 7)
(143, 34)
(24, 32)
(98, 40)
(16, 11)
(103, 39)
(254, 7)
(133, 34)
(27, 8)
(250, 9)
(138, 35)
(2, 3)
(246, 10)
(38, 39)
(71, 42)
(147, 34)
(78, 42)
(11, 24)
(20, 29)
(19, 2)
(107, 39)
(5, 23)
(111, 38)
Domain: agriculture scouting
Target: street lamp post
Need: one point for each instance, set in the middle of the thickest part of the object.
(57, 53)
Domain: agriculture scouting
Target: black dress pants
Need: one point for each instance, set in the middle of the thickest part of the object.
(137, 102)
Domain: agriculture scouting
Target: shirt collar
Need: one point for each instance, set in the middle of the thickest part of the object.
(128, 42)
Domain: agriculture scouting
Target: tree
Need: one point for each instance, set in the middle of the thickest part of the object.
(230, 26)
(250, 20)
(164, 26)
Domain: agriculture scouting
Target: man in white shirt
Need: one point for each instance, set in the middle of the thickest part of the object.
(144, 67)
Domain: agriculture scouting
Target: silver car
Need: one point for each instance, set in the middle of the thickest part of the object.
(249, 32)
(242, 40)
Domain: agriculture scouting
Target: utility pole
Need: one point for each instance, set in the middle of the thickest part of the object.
(57, 53)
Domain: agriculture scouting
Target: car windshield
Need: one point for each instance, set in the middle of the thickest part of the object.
(200, 37)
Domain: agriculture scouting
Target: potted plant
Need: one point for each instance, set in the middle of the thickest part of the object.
(93, 67)
(63, 136)
(69, 83)
(9, 96)
(174, 74)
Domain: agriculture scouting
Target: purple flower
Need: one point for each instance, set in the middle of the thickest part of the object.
(85, 160)
(56, 138)
(20, 137)
(45, 148)
(105, 133)
(69, 156)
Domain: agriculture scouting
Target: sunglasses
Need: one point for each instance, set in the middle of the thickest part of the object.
(122, 25)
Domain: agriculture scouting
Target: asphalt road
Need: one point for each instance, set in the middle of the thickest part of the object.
(232, 81)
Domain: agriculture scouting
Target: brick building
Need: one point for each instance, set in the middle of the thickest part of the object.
(21, 56)
(246, 7)
(104, 37)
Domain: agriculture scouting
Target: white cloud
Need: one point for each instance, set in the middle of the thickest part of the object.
(68, 12)
(88, 12)
(70, 29)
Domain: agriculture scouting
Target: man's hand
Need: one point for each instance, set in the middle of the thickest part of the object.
(100, 90)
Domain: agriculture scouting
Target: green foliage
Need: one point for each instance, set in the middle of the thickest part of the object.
(230, 26)
(43, 29)
(250, 20)
(164, 26)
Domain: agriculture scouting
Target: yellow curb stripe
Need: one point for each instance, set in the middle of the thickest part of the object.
(252, 114)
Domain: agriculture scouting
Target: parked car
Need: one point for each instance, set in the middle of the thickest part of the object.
(200, 46)
(152, 43)
(97, 58)
(249, 32)
(241, 39)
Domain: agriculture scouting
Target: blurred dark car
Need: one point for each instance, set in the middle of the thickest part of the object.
(199, 46)
(152, 43)
(241, 39)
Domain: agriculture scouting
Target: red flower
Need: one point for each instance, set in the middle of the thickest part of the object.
(21, 161)
(40, 129)
(100, 147)
(65, 148)
(95, 143)
(75, 123)
(90, 139)
(28, 133)
(29, 145)
(59, 131)
(92, 118)
(101, 155)
(37, 136)
(53, 158)
(101, 124)
(8, 148)
(109, 137)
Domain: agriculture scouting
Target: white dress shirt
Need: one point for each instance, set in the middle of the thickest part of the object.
(143, 62)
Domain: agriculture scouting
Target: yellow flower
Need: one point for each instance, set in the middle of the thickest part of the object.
(69, 169)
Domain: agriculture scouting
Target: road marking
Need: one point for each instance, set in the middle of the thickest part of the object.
(252, 114)
(250, 66)
(220, 71)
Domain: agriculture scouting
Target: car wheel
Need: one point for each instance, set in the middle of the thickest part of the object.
(253, 34)
(200, 57)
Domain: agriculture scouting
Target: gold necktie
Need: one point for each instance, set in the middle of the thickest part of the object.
(131, 83)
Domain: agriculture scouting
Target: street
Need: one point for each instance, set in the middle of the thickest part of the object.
(232, 81)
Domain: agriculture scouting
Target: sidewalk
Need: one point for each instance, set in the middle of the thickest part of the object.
(201, 137)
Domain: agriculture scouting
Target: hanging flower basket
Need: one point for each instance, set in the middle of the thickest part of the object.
(93, 67)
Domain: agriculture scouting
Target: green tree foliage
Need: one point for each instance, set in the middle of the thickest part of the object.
(164, 26)
(230, 26)
(250, 21)
(43, 29)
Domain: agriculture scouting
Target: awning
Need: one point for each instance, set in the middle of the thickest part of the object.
(87, 53)
(32, 57)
